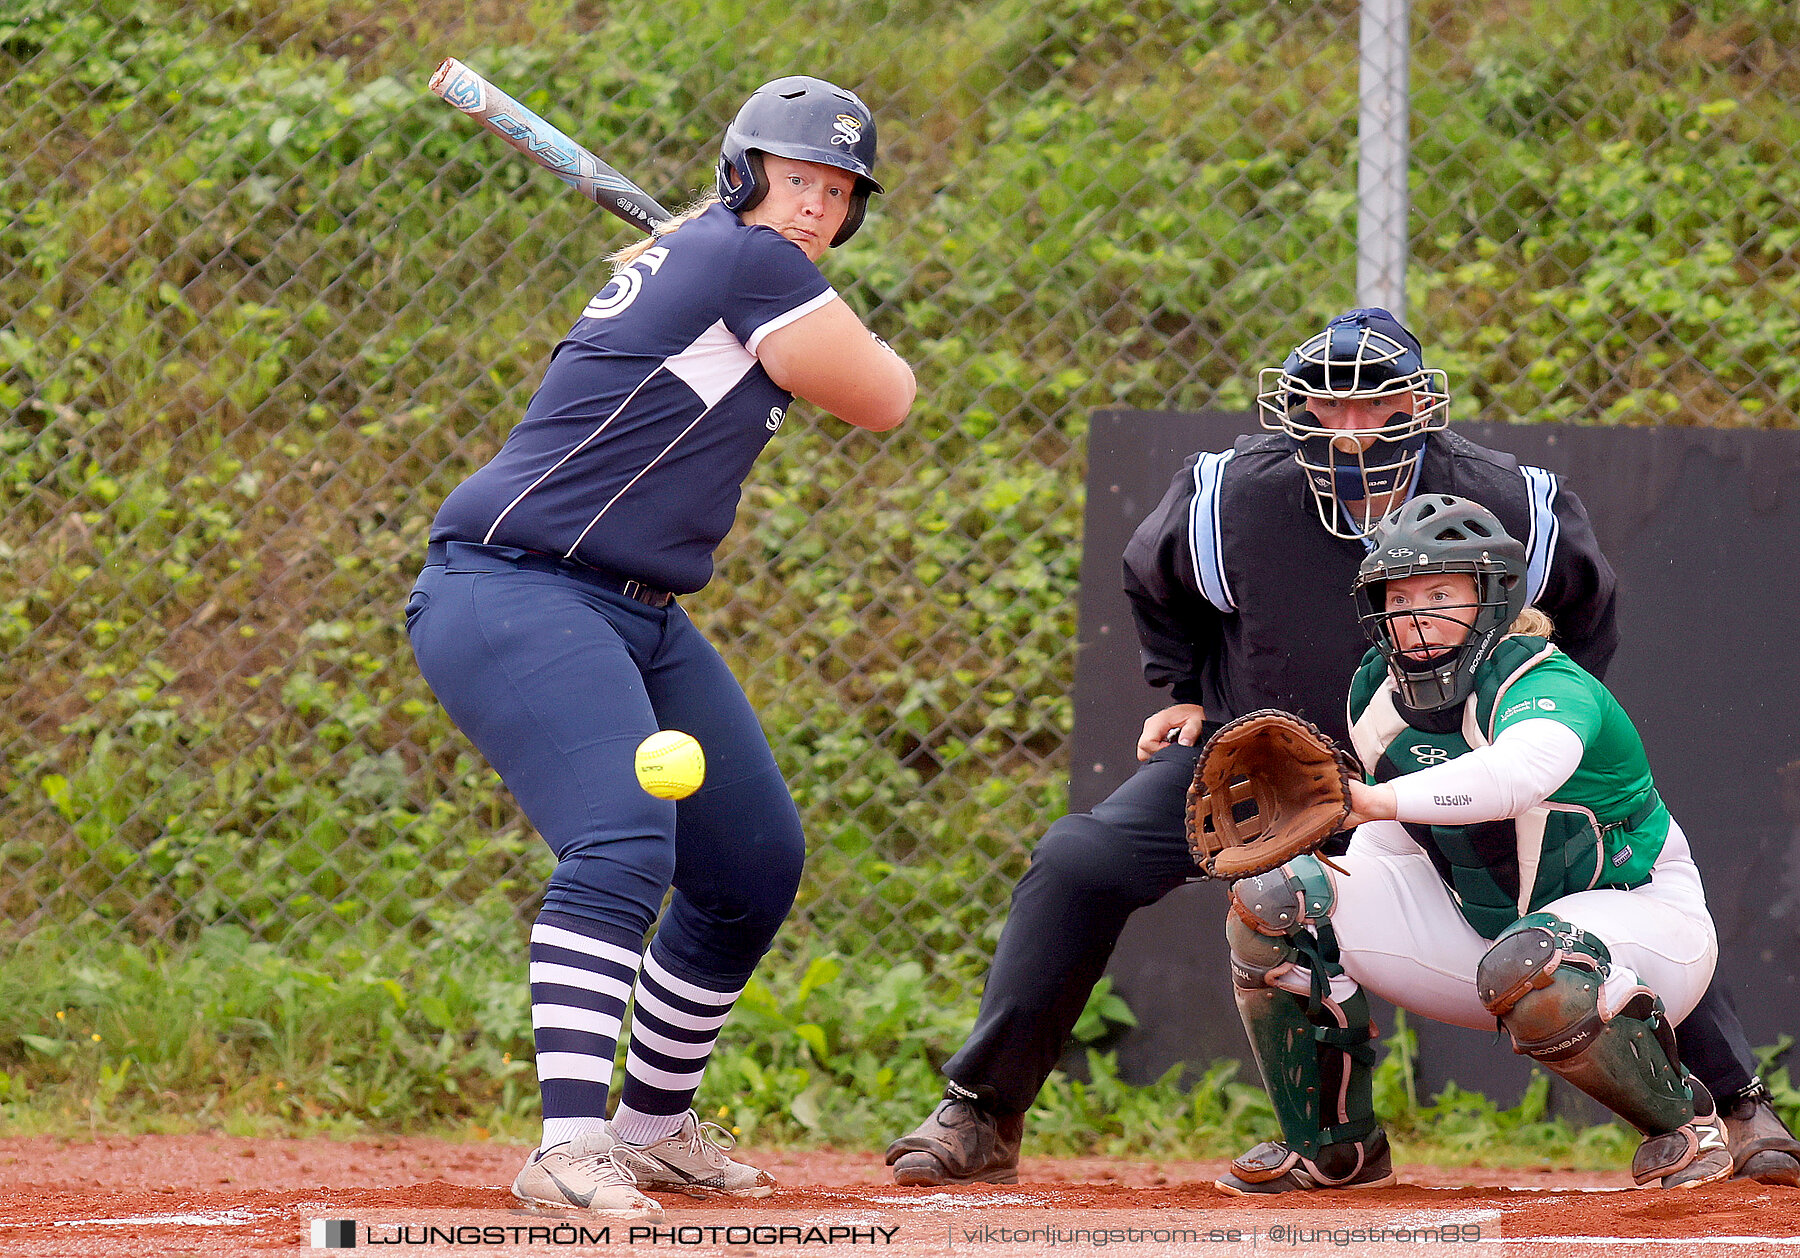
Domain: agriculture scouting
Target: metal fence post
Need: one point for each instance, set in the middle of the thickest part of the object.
(1382, 199)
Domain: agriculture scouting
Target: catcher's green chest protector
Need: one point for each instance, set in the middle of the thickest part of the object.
(1498, 870)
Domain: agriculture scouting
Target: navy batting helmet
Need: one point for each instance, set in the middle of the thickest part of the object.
(1431, 534)
(1361, 354)
(808, 120)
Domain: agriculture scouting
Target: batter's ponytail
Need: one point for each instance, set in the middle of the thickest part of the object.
(623, 258)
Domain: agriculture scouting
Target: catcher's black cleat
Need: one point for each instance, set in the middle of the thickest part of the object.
(1691, 1155)
(960, 1143)
(1762, 1148)
(1272, 1167)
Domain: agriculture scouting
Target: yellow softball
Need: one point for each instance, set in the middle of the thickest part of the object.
(670, 764)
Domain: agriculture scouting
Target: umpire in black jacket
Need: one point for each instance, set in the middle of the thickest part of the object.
(1239, 585)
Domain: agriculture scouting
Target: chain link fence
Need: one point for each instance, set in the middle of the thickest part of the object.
(266, 301)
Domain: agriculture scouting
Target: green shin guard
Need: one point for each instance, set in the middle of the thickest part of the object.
(1315, 1054)
(1542, 979)
(1622, 1064)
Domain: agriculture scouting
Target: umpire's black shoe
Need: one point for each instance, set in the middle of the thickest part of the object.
(1762, 1148)
(1272, 1167)
(960, 1143)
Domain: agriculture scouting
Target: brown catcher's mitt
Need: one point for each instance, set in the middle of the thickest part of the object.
(1295, 777)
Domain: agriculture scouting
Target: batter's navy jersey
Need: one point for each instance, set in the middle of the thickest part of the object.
(633, 452)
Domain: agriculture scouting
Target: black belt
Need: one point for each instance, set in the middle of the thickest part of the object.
(538, 561)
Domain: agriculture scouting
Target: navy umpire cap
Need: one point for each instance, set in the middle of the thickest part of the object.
(1365, 350)
(808, 120)
(1380, 321)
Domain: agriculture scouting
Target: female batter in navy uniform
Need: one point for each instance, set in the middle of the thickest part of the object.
(546, 621)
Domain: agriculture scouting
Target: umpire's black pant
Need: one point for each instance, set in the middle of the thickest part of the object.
(1093, 870)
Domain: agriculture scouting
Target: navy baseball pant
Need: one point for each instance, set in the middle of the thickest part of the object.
(556, 680)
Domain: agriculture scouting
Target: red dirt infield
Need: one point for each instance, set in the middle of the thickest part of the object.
(217, 1196)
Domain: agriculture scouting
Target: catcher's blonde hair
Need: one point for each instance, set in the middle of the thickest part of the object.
(623, 258)
(1534, 622)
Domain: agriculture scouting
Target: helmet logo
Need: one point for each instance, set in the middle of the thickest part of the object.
(1400, 552)
(847, 129)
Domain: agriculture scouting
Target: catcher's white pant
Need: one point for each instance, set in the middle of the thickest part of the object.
(1402, 938)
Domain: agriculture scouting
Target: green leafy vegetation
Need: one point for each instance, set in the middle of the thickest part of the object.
(229, 1034)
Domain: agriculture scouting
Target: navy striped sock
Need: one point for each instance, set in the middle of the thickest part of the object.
(581, 976)
(674, 1024)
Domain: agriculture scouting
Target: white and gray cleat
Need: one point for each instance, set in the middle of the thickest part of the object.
(693, 1160)
(595, 1173)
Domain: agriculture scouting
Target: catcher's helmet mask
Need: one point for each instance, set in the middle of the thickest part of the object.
(1431, 534)
(808, 120)
(1362, 354)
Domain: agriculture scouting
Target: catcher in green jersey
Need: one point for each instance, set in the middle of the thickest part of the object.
(1511, 861)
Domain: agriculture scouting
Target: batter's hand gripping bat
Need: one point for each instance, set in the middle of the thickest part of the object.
(545, 145)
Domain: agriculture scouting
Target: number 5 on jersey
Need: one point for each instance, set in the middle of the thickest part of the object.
(624, 287)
